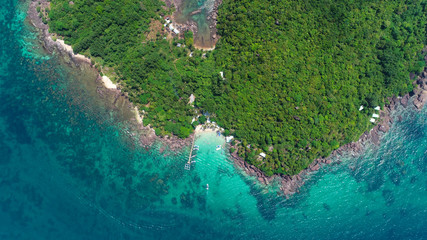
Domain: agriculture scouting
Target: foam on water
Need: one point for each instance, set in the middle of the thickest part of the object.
(70, 168)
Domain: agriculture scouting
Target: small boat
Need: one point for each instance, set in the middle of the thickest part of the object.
(207, 186)
(187, 166)
(218, 147)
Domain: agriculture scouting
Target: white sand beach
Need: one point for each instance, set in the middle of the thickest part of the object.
(108, 83)
(137, 116)
(206, 128)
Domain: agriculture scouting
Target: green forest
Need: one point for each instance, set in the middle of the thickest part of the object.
(295, 72)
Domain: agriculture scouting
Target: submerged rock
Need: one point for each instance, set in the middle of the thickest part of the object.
(388, 197)
(326, 207)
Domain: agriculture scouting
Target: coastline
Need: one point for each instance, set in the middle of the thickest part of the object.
(50, 44)
(290, 184)
(146, 140)
(69, 49)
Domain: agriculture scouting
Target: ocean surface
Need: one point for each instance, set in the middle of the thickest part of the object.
(71, 168)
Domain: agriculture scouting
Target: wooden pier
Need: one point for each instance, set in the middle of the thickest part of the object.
(187, 165)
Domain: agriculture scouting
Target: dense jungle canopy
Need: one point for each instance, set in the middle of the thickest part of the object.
(295, 72)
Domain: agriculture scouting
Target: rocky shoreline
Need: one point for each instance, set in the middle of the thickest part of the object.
(191, 25)
(291, 184)
(148, 138)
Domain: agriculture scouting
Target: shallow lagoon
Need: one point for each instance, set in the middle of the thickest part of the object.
(70, 168)
(184, 14)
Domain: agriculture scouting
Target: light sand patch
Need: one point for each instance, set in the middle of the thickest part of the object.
(81, 57)
(206, 128)
(137, 116)
(108, 83)
(204, 48)
(67, 47)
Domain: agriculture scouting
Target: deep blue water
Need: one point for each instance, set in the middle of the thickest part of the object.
(71, 168)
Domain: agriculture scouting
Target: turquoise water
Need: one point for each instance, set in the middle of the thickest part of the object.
(71, 168)
(202, 38)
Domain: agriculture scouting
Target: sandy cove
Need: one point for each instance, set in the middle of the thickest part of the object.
(208, 127)
(191, 25)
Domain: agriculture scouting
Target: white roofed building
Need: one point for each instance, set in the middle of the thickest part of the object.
(222, 74)
(228, 138)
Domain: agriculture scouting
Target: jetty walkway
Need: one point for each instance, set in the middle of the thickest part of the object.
(193, 147)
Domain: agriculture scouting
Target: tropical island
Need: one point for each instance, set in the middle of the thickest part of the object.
(287, 78)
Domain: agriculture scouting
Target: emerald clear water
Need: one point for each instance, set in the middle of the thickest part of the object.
(71, 168)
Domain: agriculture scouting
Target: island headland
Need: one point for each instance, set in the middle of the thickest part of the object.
(290, 183)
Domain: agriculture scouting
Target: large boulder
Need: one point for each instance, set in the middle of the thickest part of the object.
(421, 99)
(384, 128)
(404, 100)
(316, 167)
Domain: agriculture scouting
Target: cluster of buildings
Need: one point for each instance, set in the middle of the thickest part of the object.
(374, 116)
(169, 25)
(372, 120)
